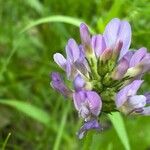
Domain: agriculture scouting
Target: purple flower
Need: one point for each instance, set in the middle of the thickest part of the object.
(117, 30)
(89, 125)
(98, 44)
(85, 38)
(72, 51)
(127, 100)
(87, 103)
(147, 95)
(59, 85)
(106, 55)
(60, 60)
(139, 62)
(129, 90)
(75, 60)
(79, 83)
(105, 75)
(137, 57)
(121, 69)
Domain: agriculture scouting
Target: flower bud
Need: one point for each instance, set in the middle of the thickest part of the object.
(117, 49)
(120, 70)
(58, 84)
(106, 55)
(79, 83)
(85, 38)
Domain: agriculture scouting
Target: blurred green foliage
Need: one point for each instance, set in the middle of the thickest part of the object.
(26, 61)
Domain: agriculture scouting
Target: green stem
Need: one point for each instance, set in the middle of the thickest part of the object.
(6, 140)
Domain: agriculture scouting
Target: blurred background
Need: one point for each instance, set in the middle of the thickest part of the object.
(26, 59)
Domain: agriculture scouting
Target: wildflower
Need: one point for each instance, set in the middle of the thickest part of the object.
(59, 85)
(104, 73)
(127, 100)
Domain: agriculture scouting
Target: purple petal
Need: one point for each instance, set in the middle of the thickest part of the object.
(72, 50)
(85, 38)
(78, 83)
(137, 101)
(147, 95)
(70, 70)
(125, 37)
(79, 98)
(82, 54)
(146, 111)
(117, 49)
(106, 55)
(60, 60)
(94, 101)
(111, 32)
(82, 67)
(88, 99)
(137, 57)
(84, 33)
(128, 55)
(121, 69)
(59, 85)
(92, 124)
(127, 91)
(145, 63)
(98, 44)
(135, 85)
(117, 30)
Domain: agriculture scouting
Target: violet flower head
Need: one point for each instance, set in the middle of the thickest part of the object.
(104, 74)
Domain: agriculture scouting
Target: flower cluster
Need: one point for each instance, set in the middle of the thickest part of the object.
(105, 74)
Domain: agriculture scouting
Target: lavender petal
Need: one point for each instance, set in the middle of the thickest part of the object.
(129, 90)
(60, 60)
(92, 124)
(59, 85)
(72, 50)
(117, 30)
(121, 69)
(85, 38)
(137, 101)
(88, 99)
(98, 44)
(137, 57)
(94, 102)
(128, 55)
(146, 111)
(78, 83)
(147, 95)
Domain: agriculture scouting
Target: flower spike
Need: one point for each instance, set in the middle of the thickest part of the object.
(105, 75)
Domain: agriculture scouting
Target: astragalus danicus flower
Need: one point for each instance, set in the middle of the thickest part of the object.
(105, 74)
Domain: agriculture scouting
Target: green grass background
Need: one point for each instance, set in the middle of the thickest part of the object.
(26, 61)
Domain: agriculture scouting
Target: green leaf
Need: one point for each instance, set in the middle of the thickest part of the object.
(119, 126)
(55, 18)
(28, 109)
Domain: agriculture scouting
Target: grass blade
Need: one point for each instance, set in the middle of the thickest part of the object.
(119, 126)
(28, 109)
(59, 18)
(61, 129)
(56, 18)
